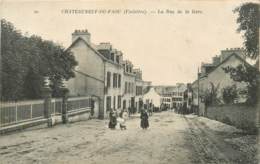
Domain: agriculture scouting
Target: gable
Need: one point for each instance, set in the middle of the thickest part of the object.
(88, 61)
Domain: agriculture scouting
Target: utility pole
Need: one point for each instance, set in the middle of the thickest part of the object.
(198, 90)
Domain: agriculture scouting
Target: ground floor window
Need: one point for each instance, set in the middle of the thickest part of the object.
(124, 104)
(119, 102)
(108, 103)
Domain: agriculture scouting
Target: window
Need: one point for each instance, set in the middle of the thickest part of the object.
(117, 59)
(119, 102)
(108, 79)
(125, 87)
(108, 100)
(129, 87)
(119, 81)
(114, 80)
(114, 102)
(138, 90)
(112, 56)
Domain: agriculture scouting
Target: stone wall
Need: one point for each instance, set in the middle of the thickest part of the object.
(240, 115)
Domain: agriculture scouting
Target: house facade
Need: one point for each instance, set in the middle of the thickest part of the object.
(213, 77)
(152, 97)
(129, 86)
(172, 96)
(102, 72)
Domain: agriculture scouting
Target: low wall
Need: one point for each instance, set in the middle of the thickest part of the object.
(240, 115)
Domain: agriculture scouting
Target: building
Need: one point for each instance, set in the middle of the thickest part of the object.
(152, 97)
(213, 76)
(141, 87)
(172, 96)
(113, 76)
(89, 80)
(129, 86)
(102, 72)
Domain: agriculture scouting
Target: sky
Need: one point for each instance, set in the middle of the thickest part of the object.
(168, 48)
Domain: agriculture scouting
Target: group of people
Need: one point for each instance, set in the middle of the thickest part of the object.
(114, 119)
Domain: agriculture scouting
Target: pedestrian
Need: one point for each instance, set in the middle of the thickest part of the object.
(112, 120)
(144, 119)
(150, 110)
(121, 121)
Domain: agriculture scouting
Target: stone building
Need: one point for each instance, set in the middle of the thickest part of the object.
(172, 96)
(141, 87)
(152, 97)
(129, 86)
(102, 72)
(213, 75)
(89, 74)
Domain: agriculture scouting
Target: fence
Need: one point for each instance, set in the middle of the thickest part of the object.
(79, 103)
(12, 113)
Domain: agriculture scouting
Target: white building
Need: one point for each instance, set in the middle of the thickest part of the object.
(152, 97)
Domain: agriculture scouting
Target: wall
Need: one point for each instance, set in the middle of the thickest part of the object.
(89, 79)
(218, 76)
(239, 115)
(129, 78)
(113, 92)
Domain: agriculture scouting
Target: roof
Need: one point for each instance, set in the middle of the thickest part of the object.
(161, 90)
(104, 46)
(151, 90)
(225, 60)
(93, 47)
(90, 46)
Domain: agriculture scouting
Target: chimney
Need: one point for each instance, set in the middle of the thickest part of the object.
(216, 60)
(84, 34)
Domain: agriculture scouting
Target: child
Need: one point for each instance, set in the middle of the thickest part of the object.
(121, 121)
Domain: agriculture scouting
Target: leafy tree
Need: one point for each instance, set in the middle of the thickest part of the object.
(25, 62)
(229, 94)
(245, 73)
(248, 20)
(211, 95)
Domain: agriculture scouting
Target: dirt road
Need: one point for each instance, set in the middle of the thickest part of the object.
(171, 138)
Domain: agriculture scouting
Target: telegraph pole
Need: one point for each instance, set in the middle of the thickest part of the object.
(198, 90)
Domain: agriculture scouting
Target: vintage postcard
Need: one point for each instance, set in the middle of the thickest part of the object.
(129, 82)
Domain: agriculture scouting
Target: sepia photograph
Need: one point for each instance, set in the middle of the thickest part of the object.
(129, 82)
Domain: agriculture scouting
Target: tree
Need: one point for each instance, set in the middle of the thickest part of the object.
(211, 95)
(248, 20)
(25, 62)
(229, 94)
(245, 73)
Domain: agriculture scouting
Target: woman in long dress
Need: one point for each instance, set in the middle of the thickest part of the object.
(144, 119)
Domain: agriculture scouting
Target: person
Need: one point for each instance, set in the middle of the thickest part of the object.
(112, 120)
(121, 121)
(150, 110)
(144, 119)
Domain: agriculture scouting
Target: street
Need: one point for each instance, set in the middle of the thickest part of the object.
(171, 138)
